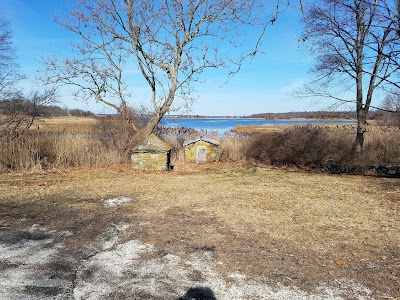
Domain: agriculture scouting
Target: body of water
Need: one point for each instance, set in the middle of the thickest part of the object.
(223, 125)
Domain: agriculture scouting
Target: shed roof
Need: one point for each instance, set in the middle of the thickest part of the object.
(207, 140)
(152, 144)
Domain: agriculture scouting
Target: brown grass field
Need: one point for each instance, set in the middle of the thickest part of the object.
(278, 128)
(65, 123)
(276, 226)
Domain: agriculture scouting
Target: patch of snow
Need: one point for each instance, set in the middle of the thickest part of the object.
(37, 228)
(123, 273)
(109, 238)
(25, 267)
(114, 202)
(133, 269)
(104, 271)
(238, 277)
(122, 226)
(362, 291)
(27, 252)
(34, 227)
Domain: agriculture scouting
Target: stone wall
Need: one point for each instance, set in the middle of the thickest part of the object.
(150, 161)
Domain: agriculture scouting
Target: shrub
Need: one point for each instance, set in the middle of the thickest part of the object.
(300, 145)
(325, 145)
(117, 131)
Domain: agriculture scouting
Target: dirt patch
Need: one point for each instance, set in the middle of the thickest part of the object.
(217, 231)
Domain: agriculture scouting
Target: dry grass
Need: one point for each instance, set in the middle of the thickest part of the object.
(46, 150)
(66, 124)
(67, 120)
(61, 142)
(279, 225)
(260, 129)
(85, 141)
(234, 147)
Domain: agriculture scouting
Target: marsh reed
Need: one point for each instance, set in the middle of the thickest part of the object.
(298, 145)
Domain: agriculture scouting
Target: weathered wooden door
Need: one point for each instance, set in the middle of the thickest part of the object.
(201, 154)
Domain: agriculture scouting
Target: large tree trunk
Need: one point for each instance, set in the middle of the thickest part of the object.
(142, 133)
(358, 143)
(145, 131)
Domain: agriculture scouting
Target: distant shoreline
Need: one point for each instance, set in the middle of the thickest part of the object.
(266, 119)
(276, 128)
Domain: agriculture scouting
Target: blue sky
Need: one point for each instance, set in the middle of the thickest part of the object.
(264, 84)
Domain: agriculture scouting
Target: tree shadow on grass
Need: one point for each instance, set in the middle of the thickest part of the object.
(198, 293)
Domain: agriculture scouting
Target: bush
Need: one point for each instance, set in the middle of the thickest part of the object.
(300, 145)
(115, 130)
(326, 147)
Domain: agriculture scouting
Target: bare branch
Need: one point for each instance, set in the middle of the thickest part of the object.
(357, 41)
(168, 43)
(9, 69)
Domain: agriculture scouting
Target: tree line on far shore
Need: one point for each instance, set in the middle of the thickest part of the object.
(383, 117)
(307, 115)
(8, 107)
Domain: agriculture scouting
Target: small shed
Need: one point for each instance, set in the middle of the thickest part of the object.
(201, 150)
(152, 154)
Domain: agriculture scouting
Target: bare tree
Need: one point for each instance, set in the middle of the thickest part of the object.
(391, 105)
(168, 43)
(356, 46)
(21, 111)
(9, 70)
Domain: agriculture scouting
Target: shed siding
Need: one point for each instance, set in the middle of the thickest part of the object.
(191, 151)
(152, 154)
(150, 161)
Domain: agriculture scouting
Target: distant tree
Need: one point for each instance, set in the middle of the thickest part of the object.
(53, 110)
(391, 104)
(308, 115)
(79, 112)
(9, 69)
(356, 47)
(21, 111)
(168, 43)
